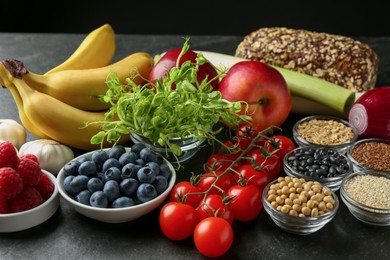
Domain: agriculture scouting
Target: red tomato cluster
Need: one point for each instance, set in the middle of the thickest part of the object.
(230, 189)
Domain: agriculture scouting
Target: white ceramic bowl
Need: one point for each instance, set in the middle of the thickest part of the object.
(30, 218)
(115, 215)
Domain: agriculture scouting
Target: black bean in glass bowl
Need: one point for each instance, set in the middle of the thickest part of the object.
(325, 165)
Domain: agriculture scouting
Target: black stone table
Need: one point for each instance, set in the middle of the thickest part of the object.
(69, 235)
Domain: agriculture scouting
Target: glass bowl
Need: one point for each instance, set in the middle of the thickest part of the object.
(370, 156)
(367, 196)
(301, 225)
(19, 221)
(306, 162)
(189, 147)
(324, 132)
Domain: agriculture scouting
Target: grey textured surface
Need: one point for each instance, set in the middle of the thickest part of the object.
(69, 235)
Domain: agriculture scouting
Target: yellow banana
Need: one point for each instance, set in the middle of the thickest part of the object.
(96, 50)
(60, 121)
(23, 118)
(4, 81)
(82, 88)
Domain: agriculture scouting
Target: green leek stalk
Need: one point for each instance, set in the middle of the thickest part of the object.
(323, 92)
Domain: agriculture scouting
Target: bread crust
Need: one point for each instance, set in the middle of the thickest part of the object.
(341, 60)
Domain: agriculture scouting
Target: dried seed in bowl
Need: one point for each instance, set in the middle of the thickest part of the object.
(370, 190)
(374, 155)
(318, 162)
(325, 132)
(311, 201)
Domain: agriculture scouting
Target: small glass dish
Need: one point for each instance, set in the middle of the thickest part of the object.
(308, 171)
(373, 158)
(357, 190)
(325, 134)
(189, 147)
(296, 224)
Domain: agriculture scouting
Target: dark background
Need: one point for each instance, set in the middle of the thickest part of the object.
(195, 17)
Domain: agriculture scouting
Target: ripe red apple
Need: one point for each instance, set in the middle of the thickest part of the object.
(168, 61)
(262, 87)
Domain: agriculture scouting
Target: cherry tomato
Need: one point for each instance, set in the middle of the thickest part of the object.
(178, 220)
(284, 144)
(272, 163)
(208, 179)
(246, 203)
(220, 162)
(179, 191)
(213, 236)
(259, 178)
(249, 131)
(214, 206)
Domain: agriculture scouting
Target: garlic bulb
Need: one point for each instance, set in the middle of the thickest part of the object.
(13, 132)
(52, 155)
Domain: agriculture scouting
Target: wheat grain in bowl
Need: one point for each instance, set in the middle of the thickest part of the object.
(122, 184)
(324, 131)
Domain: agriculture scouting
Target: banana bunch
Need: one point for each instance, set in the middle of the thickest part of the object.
(58, 104)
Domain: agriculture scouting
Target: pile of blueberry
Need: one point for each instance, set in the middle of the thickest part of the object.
(117, 178)
(318, 162)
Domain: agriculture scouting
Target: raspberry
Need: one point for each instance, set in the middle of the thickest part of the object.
(30, 156)
(30, 171)
(11, 184)
(29, 198)
(3, 205)
(45, 187)
(8, 155)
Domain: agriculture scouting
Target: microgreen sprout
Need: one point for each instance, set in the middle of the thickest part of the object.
(161, 112)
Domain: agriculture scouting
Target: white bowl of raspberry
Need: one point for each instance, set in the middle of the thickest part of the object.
(40, 212)
(118, 184)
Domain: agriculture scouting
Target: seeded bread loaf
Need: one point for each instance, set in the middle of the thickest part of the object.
(338, 59)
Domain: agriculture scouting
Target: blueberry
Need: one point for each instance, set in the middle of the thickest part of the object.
(146, 192)
(130, 170)
(72, 168)
(154, 166)
(146, 175)
(66, 183)
(113, 173)
(82, 159)
(100, 175)
(99, 157)
(140, 162)
(123, 202)
(111, 162)
(165, 171)
(128, 157)
(160, 183)
(88, 168)
(99, 199)
(128, 187)
(148, 155)
(84, 197)
(111, 189)
(136, 148)
(95, 184)
(77, 184)
(116, 151)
